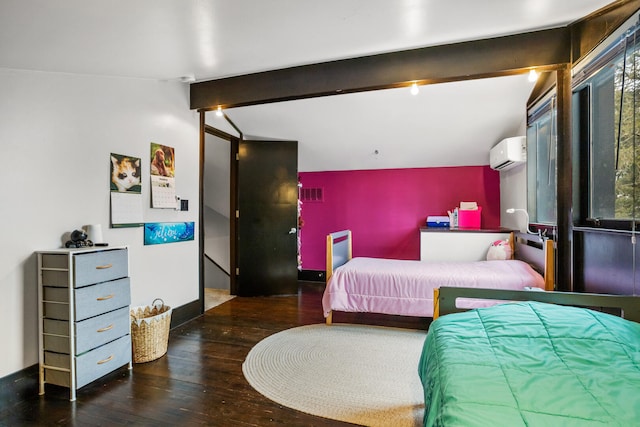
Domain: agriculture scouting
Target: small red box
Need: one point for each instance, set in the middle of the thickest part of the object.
(469, 218)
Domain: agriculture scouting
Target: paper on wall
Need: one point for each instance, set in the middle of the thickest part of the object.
(126, 209)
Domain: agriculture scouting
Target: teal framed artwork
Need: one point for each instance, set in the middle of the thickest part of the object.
(158, 233)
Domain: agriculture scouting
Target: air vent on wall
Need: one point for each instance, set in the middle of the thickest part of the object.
(311, 194)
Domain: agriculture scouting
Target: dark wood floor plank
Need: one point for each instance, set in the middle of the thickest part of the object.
(199, 381)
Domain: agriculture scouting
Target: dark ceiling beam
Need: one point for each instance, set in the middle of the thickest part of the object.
(501, 56)
(586, 34)
(591, 30)
(545, 83)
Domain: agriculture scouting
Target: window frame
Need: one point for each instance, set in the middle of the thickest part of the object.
(583, 118)
(546, 105)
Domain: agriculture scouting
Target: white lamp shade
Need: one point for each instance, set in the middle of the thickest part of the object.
(94, 233)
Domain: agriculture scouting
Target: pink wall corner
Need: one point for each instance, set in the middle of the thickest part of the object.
(385, 208)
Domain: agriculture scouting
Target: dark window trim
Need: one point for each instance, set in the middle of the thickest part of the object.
(582, 87)
(545, 105)
(584, 154)
(609, 224)
(540, 110)
(608, 53)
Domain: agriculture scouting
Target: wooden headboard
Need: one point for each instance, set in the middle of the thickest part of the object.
(538, 253)
(339, 251)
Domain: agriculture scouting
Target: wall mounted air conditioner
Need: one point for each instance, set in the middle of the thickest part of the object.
(508, 153)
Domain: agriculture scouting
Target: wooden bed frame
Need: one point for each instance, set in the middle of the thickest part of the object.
(525, 247)
(445, 300)
(339, 247)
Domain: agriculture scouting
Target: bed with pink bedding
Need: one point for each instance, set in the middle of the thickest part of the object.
(405, 287)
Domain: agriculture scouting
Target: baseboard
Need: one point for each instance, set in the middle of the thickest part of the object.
(15, 388)
(19, 386)
(311, 275)
(184, 313)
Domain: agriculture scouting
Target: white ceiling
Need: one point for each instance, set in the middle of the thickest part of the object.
(207, 39)
(449, 124)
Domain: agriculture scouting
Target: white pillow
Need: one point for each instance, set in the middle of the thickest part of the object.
(499, 250)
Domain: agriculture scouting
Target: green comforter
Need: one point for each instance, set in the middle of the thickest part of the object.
(531, 364)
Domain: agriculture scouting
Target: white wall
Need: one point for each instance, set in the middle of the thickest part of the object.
(217, 197)
(513, 194)
(513, 191)
(56, 134)
(217, 174)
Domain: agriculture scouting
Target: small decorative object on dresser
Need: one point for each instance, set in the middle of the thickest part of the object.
(83, 308)
(78, 239)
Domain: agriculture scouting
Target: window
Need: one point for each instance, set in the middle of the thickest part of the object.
(606, 112)
(541, 162)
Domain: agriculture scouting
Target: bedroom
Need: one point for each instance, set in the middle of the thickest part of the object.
(58, 136)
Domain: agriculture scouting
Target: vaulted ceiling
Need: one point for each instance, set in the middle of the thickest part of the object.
(186, 40)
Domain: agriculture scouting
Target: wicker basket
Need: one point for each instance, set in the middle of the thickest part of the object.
(150, 331)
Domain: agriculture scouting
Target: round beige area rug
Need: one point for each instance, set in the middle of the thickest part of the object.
(360, 374)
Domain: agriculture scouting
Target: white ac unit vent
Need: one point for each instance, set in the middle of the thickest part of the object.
(508, 153)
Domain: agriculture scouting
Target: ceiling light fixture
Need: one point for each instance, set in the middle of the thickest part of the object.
(219, 111)
(414, 89)
(533, 75)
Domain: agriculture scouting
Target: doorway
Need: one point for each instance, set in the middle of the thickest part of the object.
(216, 225)
(249, 214)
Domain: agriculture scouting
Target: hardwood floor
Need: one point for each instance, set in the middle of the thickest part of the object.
(199, 381)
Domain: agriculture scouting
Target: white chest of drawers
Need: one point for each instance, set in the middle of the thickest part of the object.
(83, 307)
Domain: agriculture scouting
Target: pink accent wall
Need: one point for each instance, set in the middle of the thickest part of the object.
(385, 208)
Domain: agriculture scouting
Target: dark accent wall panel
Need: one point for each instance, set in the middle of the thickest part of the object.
(17, 387)
(185, 312)
(604, 262)
(312, 275)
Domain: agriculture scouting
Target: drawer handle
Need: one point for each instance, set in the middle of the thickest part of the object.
(104, 298)
(103, 267)
(108, 359)
(106, 328)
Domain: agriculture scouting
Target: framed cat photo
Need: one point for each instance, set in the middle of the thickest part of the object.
(126, 176)
(126, 191)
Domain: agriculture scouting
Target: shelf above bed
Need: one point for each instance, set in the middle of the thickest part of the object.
(465, 230)
(458, 244)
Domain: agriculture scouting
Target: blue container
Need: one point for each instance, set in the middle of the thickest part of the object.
(438, 221)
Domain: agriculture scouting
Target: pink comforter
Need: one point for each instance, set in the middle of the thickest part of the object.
(376, 285)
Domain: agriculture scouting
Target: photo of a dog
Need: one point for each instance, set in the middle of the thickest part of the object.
(162, 160)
